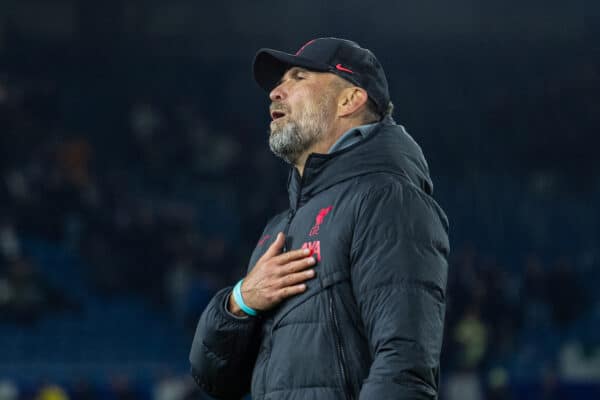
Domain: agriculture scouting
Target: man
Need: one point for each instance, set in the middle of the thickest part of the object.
(345, 292)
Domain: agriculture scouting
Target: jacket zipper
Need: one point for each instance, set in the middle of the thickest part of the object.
(340, 350)
(290, 217)
(292, 211)
(288, 223)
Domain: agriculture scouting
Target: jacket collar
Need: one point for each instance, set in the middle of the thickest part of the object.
(387, 148)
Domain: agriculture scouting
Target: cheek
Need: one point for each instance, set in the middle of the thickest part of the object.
(300, 100)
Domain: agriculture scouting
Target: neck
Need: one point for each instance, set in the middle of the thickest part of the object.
(327, 140)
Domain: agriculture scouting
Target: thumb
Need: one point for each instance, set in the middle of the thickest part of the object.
(275, 247)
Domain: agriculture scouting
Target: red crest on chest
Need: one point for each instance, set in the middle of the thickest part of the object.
(319, 220)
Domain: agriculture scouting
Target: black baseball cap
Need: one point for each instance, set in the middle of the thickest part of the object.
(342, 57)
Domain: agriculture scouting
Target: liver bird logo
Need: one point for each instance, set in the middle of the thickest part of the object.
(319, 220)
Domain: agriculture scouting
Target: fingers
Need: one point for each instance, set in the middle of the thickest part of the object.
(276, 247)
(290, 291)
(297, 265)
(292, 255)
(277, 276)
(297, 278)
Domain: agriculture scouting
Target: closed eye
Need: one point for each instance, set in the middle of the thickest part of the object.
(296, 74)
(300, 74)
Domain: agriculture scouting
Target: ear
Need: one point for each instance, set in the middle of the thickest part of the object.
(350, 100)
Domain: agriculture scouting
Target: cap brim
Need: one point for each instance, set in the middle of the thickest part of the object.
(270, 65)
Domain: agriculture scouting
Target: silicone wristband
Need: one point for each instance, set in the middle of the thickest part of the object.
(237, 296)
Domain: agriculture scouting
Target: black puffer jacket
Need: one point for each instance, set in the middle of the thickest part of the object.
(370, 324)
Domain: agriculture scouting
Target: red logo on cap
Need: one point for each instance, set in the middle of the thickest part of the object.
(341, 68)
(302, 48)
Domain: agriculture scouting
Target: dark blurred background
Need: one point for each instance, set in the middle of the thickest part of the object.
(135, 178)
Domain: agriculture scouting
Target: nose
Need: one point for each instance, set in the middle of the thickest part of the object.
(278, 93)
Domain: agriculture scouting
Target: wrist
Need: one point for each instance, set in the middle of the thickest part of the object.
(234, 308)
(239, 300)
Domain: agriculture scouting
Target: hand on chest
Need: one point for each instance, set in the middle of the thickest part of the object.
(325, 227)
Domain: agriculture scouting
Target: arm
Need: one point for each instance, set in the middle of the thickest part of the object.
(227, 341)
(224, 350)
(399, 271)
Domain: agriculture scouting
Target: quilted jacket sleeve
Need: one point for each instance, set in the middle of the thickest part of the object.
(399, 273)
(224, 350)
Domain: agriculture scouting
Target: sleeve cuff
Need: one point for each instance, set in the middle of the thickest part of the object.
(229, 313)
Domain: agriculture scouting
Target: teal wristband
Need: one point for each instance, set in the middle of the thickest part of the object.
(237, 296)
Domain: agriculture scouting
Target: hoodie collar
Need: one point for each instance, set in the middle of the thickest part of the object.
(352, 136)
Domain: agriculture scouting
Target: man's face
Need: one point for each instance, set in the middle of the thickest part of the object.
(302, 111)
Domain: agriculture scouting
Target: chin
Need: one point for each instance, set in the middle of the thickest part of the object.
(276, 126)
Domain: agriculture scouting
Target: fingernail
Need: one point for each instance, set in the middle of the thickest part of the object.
(307, 251)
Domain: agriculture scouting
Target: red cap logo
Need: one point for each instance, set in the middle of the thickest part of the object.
(339, 67)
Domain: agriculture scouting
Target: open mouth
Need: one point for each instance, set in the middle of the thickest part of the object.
(277, 114)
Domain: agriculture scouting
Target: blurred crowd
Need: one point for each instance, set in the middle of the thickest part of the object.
(167, 206)
(497, 314)
(162, 220)
(121, 387)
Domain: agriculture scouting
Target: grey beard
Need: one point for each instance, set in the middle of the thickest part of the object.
(288, 143)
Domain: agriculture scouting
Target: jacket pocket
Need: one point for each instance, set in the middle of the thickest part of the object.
(339, 349)
(315, 287)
